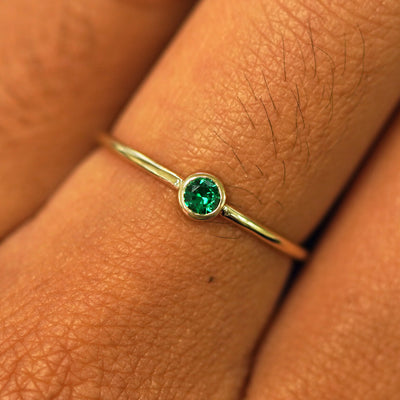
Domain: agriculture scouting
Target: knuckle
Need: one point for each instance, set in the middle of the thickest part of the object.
(283, 94)
(113, 324)
(37, 62)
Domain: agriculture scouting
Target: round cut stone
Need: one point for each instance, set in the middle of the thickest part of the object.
(202, 195)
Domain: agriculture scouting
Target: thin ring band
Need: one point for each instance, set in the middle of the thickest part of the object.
(201, 188)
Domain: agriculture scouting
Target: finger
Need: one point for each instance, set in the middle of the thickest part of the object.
(337, 335)
(66, 71)
(149, 298)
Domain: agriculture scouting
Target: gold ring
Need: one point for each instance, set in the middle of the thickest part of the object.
(202, 197)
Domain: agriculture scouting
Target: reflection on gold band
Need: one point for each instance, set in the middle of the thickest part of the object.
(230, 213)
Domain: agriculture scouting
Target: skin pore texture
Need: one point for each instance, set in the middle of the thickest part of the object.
(117, 294)
(337, 335)
(67, 69)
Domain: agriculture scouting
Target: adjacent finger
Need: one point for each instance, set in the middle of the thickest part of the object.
(66, 70)
(337, 336)
(130, 295)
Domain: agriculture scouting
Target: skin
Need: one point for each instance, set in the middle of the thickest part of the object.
(117, 294)
(337, 335)
(62, 78)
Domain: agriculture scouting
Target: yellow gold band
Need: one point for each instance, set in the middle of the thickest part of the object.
(203, 191)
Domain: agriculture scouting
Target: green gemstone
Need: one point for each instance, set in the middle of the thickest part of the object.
(202, 195)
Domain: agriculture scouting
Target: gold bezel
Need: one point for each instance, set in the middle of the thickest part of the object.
(191, 213)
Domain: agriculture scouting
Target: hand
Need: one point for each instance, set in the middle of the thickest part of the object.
(109, 291)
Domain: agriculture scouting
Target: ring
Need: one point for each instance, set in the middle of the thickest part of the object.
(202, 197)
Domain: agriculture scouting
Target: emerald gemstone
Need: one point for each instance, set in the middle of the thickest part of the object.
(202, 195)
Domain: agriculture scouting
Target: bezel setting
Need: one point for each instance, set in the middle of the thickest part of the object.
(191, 213)
(204, 198)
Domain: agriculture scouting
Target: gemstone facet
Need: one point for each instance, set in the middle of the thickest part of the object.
(202, 195)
